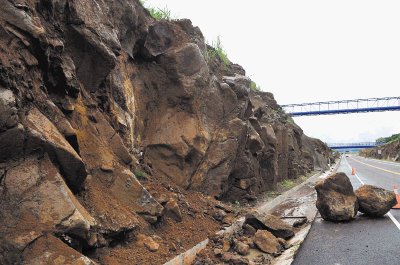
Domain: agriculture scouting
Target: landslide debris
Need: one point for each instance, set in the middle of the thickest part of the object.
(336, 200)
(375, 201)
(271, 223)
(252, 244)
(115, 125)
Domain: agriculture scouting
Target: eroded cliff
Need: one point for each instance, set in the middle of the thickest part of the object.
(113, 123)
(388, 151)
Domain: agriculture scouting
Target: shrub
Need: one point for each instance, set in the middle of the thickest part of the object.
(140, 175)
(254, 86)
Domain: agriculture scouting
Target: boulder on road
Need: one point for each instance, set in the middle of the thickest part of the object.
(375, 201)
(336, 200)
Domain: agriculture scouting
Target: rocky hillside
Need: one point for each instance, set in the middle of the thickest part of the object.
(388, 151)
(114, 125)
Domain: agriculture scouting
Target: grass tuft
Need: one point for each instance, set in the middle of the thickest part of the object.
(217, 51)
(140, 175)
(158, 13)
(287, 184)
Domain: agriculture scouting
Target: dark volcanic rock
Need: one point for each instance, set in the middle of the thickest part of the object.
(336, 200)
(271, 223)
(375, 201)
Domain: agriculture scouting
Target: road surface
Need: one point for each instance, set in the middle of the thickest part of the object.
(364, 241)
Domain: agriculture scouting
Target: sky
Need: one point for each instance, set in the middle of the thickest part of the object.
(308, 51)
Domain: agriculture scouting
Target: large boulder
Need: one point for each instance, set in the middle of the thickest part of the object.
(271, 223)
(336, 200)
(375, 201)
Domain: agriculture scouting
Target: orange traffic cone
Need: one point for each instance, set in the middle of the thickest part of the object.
(397, 206)
(353, 171)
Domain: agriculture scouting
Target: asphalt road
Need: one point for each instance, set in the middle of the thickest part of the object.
(364, 241)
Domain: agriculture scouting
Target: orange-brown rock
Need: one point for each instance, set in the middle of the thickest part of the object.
(50, 250)
(267, 242)
(375, 201)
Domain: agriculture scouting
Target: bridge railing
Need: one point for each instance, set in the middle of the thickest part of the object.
(353, 145)
(343, 106)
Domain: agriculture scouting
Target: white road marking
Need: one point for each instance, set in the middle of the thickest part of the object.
(389, 214)
(383, 169)
(393, 220)
(362, 182)
(382, 162)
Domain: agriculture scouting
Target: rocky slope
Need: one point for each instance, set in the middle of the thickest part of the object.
(389, 151)
(112, 123)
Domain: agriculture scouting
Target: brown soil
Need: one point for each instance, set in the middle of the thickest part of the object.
(173, 237)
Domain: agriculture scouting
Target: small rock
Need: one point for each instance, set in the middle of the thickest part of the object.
(219, 214)
(68, 107)
(228, 220)
(162, 198)
(242, 248)
(300, 222)
(150, 218)
(218, 252)
(250, 197)
(233, 259)
(237, 260)
(224, 207)
(226, 257)
(148, 242)
(107, 167)
(172, 247)
(173, 211)
(283, 243)
(336, 200)
(267, 243)
(226, 245)
(248, 229)
(375, 201)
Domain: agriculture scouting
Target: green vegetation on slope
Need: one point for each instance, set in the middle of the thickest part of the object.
(254, 86)
(216, 50)
(158, 13)
(385, 140)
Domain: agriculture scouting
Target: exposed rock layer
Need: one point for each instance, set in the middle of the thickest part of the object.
(389, 151)
(92, 91)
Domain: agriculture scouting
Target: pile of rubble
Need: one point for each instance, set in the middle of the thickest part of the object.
(338, 202)
(261, 238)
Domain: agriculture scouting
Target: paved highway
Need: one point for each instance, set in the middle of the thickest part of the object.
(364, 241)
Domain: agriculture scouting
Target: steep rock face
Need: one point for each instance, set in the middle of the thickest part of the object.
(389, 151)
(91, 90)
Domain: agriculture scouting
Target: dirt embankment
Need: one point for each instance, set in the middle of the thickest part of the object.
(118, 133)
(389, 151)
